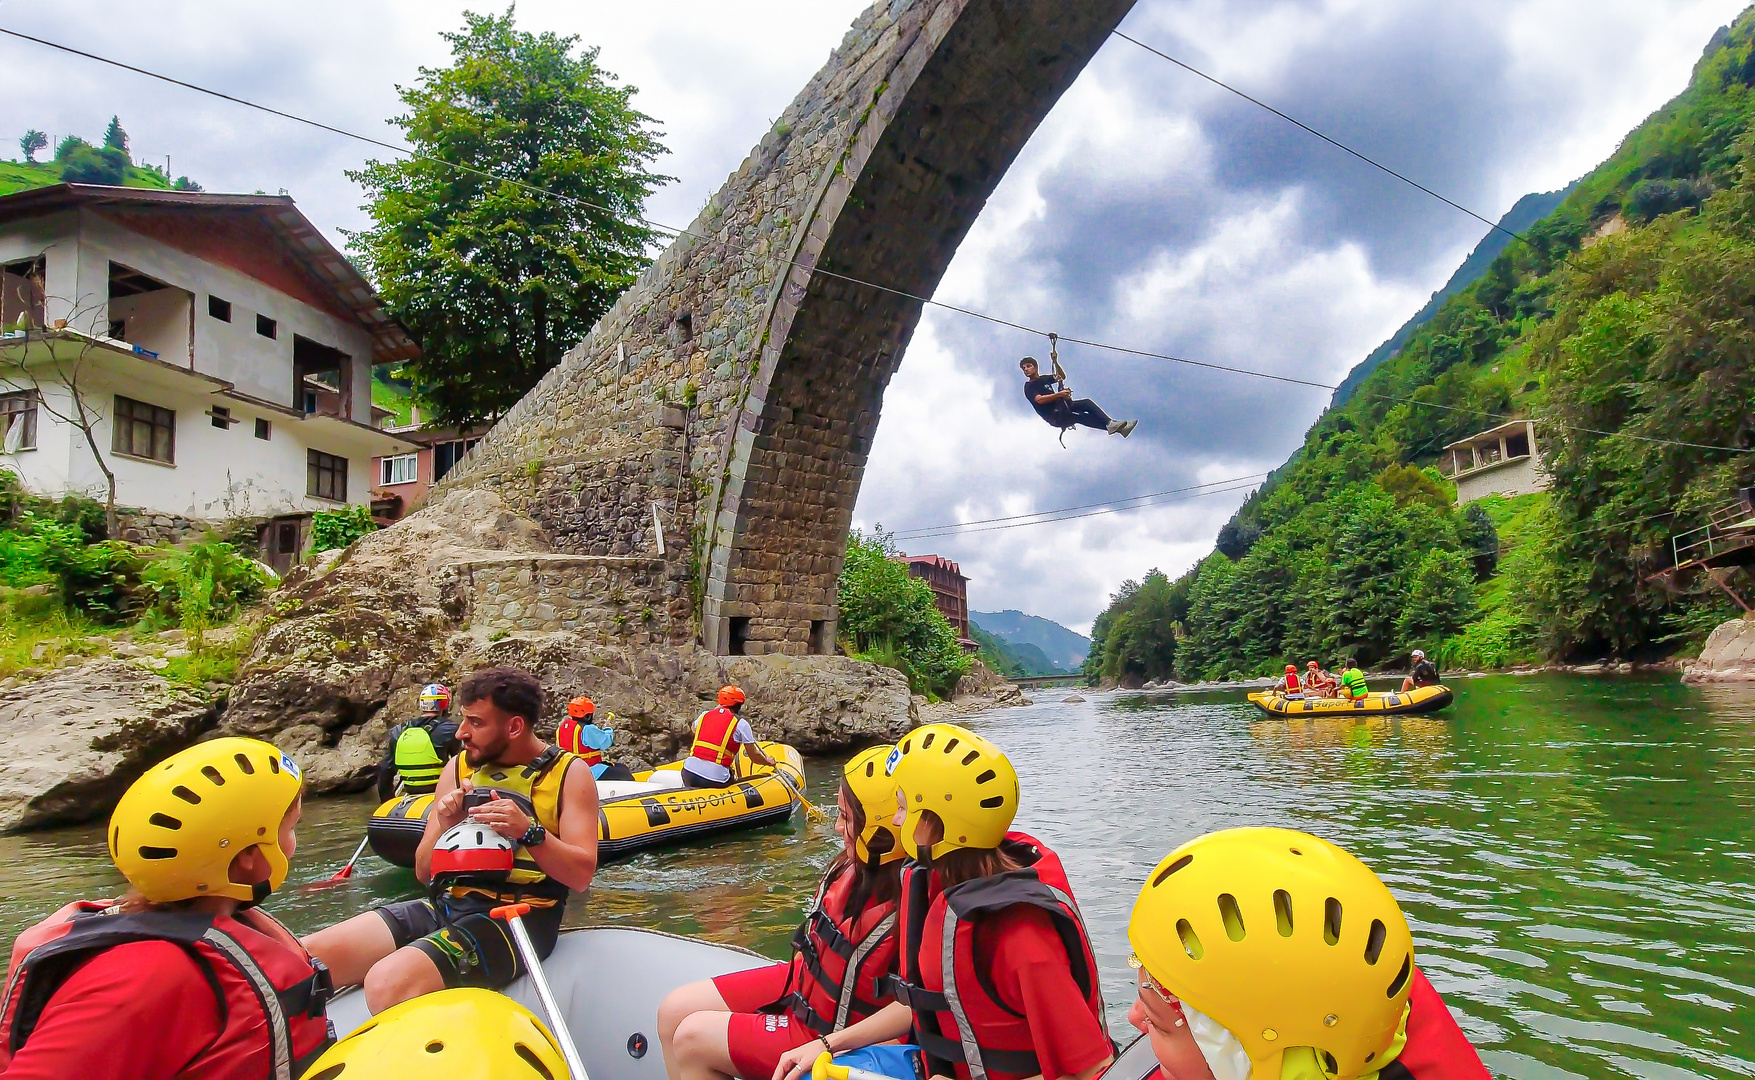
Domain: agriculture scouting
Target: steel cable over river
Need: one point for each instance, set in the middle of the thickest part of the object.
(1575, 854)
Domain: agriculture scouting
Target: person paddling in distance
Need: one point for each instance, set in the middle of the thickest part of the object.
(1291, 686)
(1270, 954)
(843, 954)
(127, 990)
(1317, 682)
(1425, 672)
(720, 733)
(1019, 998)
(1352, 681)
(580, 732)
(419, 749)
(511, 822)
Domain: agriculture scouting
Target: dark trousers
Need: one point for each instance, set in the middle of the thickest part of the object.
(690, 780)
(1083, 413)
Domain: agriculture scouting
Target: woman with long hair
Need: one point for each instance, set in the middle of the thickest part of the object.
(997, 979)
(843, 954)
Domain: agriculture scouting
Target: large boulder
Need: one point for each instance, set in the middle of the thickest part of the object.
(448, 591)
(1728, 656)
(79, 735)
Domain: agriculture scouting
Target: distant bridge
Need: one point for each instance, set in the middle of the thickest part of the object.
(1037, 682)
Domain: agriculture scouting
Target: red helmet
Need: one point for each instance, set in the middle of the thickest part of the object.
(580, 707)
(730, 695)
(1291, 669)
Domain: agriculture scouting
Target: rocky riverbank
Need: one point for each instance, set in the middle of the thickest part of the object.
(1727, 657)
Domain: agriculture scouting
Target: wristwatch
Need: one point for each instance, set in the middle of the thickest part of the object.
(534, 835)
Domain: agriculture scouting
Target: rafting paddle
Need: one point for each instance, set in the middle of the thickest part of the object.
(809, 808)
(345, 872)
(512, 914)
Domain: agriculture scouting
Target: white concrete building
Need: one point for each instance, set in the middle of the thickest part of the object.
(1501, 461)
(222, 346)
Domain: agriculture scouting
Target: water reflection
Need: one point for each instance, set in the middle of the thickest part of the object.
(1574, 854)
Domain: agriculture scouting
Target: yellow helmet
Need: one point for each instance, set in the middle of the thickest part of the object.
(465, 1032)
(1284, 940)
(178, 827)
(875, 791)
(962, 778)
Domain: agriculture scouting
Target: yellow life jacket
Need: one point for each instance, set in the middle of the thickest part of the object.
(417, 759)
(536, 788)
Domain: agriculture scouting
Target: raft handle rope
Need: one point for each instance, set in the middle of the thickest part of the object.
(676, 233)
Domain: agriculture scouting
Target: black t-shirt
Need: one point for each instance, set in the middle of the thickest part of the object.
(1037, 387)
(1425, 673)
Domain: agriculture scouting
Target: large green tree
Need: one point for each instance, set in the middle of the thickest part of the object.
(499, 274)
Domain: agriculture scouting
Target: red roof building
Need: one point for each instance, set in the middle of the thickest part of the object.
(950, 589)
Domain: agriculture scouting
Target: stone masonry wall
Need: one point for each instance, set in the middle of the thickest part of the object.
(599, 598)
(733, 392)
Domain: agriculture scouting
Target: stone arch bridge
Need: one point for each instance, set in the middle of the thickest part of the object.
(706, 442)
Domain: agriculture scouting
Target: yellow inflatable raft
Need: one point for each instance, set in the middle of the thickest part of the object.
(1421, 699)
(651, 809)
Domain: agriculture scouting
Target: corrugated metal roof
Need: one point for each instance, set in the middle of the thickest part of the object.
(327, 267)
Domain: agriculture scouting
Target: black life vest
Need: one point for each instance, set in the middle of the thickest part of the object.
(288, 992)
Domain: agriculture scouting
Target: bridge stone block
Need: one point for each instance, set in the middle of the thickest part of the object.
(875, 172)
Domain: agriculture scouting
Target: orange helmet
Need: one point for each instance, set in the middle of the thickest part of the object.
(580, 707)
(730, 695)
(1291, 669)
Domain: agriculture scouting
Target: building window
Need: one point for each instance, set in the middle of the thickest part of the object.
(325, 476)
(448, 454)
(18, 421)
(221, 417)
(401, 469)
(144, 431)
(267, 327)
(119, 329)
(263, 429)
(219, 309)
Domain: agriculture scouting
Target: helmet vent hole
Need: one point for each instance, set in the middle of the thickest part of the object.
(1232, 916)
(1401, 977)
(1330, 1065)
(926, 743)
(1171, 869)
(1374, 941)
(533, 1061)
(952, 745)
(330, 1073)
(273, 765)
(164, 821)
(993, 802)
(1369, 1056)
(870, 769)
(1190, 940)
(1331, 921)
(969, 759)
(1295, 851)
(985, 777)
(1283, 912)
(435, 1047)
(186, 795)
(213, 774)
(171, 853)
(244, 764)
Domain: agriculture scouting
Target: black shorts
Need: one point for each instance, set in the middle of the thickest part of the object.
(467, 945)
(695, 780)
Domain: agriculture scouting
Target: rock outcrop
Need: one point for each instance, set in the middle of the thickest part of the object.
(1728, 656)
(464, 584)
(980, 690)
(78, 736)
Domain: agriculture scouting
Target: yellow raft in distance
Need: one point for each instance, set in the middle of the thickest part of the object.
(1421, 699)
(651, 809)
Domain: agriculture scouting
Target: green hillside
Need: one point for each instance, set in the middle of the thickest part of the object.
(22, 176)
(1623, 327)
(75, 160)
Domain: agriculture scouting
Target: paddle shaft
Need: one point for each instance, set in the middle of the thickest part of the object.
(357, 852)
(533, 968)
(797, 794)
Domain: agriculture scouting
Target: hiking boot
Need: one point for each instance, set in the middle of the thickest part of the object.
(1127, 427)
(1114, 426)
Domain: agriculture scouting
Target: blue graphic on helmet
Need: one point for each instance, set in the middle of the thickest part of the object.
(892, 761)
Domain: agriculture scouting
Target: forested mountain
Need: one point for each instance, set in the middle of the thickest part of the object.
(1066, 649)
(1621, 323)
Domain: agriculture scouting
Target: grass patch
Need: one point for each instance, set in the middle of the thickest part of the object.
(1502, 634)
(35, 632)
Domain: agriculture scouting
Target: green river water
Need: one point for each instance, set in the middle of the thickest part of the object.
(1575, 854)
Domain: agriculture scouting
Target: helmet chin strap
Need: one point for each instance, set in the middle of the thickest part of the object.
(259, 895)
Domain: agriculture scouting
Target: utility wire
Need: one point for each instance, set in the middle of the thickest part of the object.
(675, 232)
(907, 534)
(1074, 517)
(1336, 143)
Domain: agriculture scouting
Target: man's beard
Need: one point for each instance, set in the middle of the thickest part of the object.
(486, 754)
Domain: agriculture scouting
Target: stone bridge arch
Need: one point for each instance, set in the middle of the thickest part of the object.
(704, 445)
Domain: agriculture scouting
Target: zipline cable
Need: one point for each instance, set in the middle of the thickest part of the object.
(909, 534)
(675, 232)
(1336, 143)
(1086, 514)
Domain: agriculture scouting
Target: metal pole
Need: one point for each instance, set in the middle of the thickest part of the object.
(533, 968)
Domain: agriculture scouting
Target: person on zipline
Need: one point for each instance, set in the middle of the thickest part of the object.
(1057, 406)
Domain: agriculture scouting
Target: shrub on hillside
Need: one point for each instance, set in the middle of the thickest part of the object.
(890, 617)
(331, 529)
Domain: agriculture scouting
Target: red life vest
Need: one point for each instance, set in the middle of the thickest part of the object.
(958, 1016)
(716, 737)
(841, 966)
(272, 995)
(567, 737)
(1293, 686)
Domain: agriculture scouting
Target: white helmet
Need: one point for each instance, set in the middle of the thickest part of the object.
(1419, 654)
(471, 847)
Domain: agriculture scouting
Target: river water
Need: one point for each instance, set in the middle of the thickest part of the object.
(1575, 854)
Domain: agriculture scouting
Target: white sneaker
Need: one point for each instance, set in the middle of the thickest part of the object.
(1115, 426)
(1127, 427)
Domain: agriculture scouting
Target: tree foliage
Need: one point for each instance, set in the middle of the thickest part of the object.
(498, 274)
(33, 142)
(889, 617)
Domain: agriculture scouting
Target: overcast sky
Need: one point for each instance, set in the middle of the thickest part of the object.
(1150, 210)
